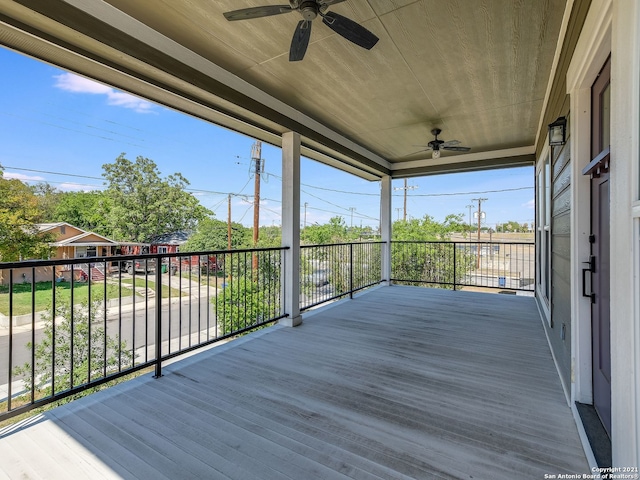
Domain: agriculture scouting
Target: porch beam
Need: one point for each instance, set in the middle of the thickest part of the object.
(512, 157)
(291, 227)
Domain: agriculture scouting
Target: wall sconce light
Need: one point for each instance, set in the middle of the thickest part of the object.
(558, 132)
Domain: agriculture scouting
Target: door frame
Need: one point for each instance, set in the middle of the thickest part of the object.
(612, 27)
(591, 54)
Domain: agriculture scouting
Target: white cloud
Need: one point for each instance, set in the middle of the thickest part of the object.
(74, 187)
(22, 177)
(531, 204)
(73, 83)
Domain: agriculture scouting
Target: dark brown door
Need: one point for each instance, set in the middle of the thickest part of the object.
(600, 228)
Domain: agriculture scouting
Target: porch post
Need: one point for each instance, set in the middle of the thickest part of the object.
(291, 227)
(385, 228)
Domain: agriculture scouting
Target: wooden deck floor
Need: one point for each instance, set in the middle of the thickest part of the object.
(399, 383)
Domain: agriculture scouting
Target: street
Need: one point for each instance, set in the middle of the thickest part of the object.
(186, 321)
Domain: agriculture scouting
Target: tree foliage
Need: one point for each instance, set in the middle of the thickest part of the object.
(245, 303)
(335, 231)
(81, 209)
(270, 236)
(427, 228)
(19, 212)
(419, 263)
(212, 234)
(512, 226)
(140, 205)
(78, 341)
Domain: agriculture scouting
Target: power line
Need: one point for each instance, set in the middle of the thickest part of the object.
(469, 193)
(304, 184)
(73, 130)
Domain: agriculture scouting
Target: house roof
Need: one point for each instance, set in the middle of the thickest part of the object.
(480, 71)
(86, 239)
(173, 238)
(45, 227)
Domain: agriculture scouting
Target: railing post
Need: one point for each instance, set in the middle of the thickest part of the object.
(455, 271)
(158, 369)
(351, 270)
(385, 228)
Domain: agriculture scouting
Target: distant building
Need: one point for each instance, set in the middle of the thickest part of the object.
(169, 242)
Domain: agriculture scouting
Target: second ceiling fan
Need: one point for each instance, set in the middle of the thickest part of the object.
(310, 9)
(436, 145)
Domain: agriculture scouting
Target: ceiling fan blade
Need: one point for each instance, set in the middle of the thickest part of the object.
(451, 143)
(257, 12)
(330, 2)
(350, 30)
(300, 41)
(419, 151)
(456, 149)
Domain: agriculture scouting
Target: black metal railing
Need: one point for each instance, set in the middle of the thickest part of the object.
(506, 266)
(73, 324)
(329, 272)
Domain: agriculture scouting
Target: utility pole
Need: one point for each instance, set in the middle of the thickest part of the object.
(256, 156)
(469, 207)
(351, 209)
(398, 209)
(479, 200)
(229, 223)
(405, 188)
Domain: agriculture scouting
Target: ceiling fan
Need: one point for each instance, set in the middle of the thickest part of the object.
(310, 9)
(436, 145)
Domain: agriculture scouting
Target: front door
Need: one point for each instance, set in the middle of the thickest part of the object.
(599, 263)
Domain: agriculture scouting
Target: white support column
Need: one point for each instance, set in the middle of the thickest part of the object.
(385, 227)
(291, 227)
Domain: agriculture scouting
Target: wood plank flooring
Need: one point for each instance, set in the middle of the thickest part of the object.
(398, 383)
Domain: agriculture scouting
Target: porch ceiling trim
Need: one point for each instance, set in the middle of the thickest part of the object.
(513, 157)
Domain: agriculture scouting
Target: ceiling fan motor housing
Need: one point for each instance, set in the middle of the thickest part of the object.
(435, 144)
(309, 10)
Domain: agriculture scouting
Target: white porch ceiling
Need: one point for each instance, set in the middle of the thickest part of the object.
(477, 69)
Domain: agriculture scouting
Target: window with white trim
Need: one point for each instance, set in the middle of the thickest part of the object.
(543, 226)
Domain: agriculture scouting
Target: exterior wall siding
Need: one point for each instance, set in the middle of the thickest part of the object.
(559, 329)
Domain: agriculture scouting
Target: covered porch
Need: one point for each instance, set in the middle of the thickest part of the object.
(400, 382)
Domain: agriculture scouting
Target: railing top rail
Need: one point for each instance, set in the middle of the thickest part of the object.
(471, 242)
(376, 242)
(114, 258)
(213, 252)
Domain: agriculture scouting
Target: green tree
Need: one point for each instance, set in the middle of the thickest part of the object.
(512, 226)
(19, 212)
(211, 234)
(141, 205)
(47, 196)
(427, 228)
(336, 231)
(79, 341)
(270, 236)
(246, 303)
(81, 209)
(417, 262)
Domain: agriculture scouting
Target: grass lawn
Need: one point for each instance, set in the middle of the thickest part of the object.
(43, 295)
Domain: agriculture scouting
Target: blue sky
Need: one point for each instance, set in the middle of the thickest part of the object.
(53, 122)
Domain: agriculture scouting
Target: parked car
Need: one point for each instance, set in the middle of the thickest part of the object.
(139, 266)
(319, 278)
